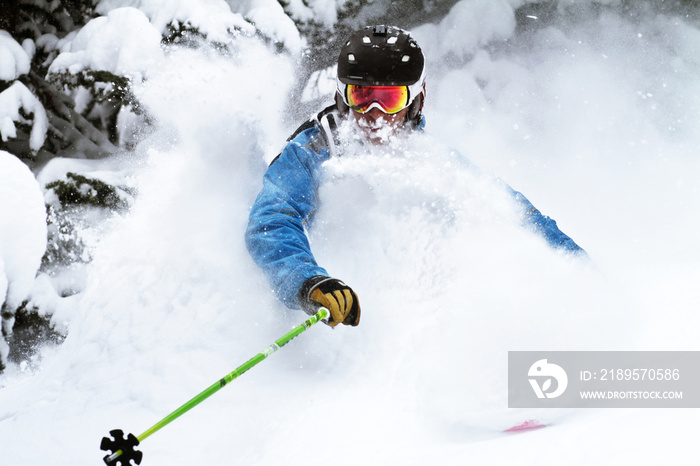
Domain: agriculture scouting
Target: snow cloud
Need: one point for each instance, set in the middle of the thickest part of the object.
(469, 25)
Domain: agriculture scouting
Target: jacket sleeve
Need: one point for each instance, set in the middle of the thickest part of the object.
(275, 236)
(532, 218)
(545, 226)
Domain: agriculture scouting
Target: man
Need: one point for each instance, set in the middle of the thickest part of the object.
(381, 87)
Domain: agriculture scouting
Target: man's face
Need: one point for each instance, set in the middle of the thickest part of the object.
(379, 126)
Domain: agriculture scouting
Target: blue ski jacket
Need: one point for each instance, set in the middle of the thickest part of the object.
(275, 236)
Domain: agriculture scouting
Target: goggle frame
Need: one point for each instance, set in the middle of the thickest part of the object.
(414, 90)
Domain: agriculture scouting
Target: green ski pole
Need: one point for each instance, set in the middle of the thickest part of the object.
(122, 449)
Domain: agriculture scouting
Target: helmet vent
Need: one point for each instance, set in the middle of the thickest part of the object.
(366, 40)
(392, 40)
(380, 30)
(405, 58)
(351, 58)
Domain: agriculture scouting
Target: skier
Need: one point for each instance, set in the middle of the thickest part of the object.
(380, 86)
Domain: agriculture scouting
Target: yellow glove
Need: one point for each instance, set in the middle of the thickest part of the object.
(335, 296)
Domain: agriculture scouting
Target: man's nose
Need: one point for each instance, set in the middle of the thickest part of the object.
(376, 114)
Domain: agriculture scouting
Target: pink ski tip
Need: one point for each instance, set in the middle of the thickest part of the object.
(527, 425)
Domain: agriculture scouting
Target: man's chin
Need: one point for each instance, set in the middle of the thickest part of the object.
(378, 136)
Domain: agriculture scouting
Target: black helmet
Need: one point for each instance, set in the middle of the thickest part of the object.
(382, 56)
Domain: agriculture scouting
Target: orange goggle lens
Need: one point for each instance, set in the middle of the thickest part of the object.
(392, 99)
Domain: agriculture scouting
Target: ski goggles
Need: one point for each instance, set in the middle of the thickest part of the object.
(389, 99)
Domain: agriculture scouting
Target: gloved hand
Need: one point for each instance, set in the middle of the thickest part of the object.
(335, 296)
